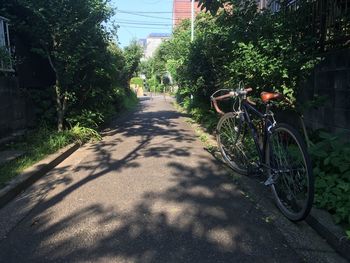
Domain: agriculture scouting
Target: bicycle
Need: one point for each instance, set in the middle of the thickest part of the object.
(252, 141)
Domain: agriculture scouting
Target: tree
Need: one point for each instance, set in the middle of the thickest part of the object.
(71, 42)
(212, 5)
(173, 53)
(132, 54)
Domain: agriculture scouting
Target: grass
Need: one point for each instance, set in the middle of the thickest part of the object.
(202, 132)
(37, 145)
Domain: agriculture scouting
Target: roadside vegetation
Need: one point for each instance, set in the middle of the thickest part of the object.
(269, 52)
(91, 72)
(40, 143)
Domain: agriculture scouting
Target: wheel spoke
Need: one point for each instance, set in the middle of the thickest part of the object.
(233, 142)
(291, 177)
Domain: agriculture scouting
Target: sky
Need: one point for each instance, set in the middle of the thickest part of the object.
(138, 18)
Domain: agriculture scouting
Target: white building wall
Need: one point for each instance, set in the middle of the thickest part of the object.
(152, 44)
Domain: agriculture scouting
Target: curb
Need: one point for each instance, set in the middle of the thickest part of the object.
(32, 174)
(339, 241)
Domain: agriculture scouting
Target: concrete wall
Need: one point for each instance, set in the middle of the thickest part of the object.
(12, 106)
(330, 82)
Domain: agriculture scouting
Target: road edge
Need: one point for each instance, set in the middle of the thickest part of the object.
(339, 243)
(34, 173)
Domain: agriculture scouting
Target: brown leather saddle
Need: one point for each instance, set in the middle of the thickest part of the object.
(267, 96)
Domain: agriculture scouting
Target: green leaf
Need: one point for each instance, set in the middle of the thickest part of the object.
(348, 232)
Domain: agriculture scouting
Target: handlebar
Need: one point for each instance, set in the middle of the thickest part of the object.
(231, 94)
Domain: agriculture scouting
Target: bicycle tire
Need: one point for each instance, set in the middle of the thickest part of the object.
(232, 135)
(290, 164)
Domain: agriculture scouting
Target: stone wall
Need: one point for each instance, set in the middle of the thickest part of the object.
(12, 107)
(330, 83)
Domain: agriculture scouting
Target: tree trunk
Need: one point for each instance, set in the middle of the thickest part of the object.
(61, 99)
(61, 104)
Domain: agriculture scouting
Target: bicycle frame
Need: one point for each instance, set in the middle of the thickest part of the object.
(267, 125)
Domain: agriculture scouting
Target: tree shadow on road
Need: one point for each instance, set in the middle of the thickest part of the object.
(200, 217)
(197, 216)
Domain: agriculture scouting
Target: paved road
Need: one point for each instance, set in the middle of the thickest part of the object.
(148, 192)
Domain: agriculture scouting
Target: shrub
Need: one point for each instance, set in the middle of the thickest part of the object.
(331, 160)
(84, 134)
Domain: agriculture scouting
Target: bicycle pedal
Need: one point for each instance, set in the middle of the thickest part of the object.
(269, 181)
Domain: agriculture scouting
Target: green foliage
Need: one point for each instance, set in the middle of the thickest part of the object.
(97, 112)
(87, 118)
(169, 59)
(200, 115)
(45, 140)
(92, 73)
(37, 145)
(133, 54)
(44, 102)
(211, 5)
(127, 100)
(154, 84)
(265, 50)
(331, 160)
(5, 58)
(40, 143)
(87, 65)
(137, 81)
(84, 134)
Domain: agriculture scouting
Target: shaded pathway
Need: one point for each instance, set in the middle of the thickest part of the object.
(148, 192)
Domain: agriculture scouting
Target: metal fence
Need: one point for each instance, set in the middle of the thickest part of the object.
(329, 20)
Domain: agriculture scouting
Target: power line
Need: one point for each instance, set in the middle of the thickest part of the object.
(146, 24)
(152, 3)
(136, 14)
(142, 22)
(157, 1)
(153, 12)
(142, 27)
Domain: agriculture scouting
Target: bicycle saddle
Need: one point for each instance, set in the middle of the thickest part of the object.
(267, 96)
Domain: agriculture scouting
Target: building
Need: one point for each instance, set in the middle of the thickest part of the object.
(152, 42)
(182, 10)
(142, 42)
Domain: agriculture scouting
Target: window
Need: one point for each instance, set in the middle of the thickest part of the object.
(5, 51)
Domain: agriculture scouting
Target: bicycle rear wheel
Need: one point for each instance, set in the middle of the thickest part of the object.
(235, 142)
(289, 168)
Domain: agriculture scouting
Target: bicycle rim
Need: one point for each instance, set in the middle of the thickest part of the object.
(232, 138)
(290, 167)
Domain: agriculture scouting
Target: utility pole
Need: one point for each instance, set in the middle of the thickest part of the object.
(192, 21)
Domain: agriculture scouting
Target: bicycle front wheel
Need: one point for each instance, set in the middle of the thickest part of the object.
(290, 172)
(235, 142)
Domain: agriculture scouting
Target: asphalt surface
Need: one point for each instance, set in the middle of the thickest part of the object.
(148, 192)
